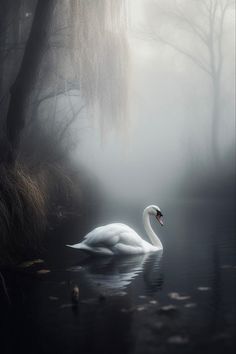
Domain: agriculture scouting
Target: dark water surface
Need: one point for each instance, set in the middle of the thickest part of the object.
(181, 300)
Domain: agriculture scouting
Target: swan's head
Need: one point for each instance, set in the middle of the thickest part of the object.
(156, 211)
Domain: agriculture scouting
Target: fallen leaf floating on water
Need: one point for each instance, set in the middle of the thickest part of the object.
(28, 264)
(168, 310)
(178, 340)
(153, 302)
(168, 307)
(177, 296)
(43, 271)
(204, 288)
(190, 305)
(141, 308)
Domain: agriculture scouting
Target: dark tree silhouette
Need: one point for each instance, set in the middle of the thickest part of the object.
(51, 51)
(25, 80)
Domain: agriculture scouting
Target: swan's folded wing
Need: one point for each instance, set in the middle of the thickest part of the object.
(131, 238)
(110, 235)
(102, 236)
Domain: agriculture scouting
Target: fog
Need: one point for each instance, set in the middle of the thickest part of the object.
(169, 114)
(141, 94)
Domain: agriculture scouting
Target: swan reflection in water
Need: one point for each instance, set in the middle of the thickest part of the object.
(115, 274)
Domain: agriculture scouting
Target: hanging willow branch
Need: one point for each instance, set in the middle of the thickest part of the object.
(100, 55)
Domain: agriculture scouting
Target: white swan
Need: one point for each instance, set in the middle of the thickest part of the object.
(120, 239)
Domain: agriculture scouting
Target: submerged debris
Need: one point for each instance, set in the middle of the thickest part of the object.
(75, 269)
(220, 336)
(121, 293)
(157, 325)
(65, 306)
(43, 271)
(5, 287)
(89, 301)
(75, 294)
(101, 297)
(228, 266)
(125, 310)
(53, 298)
(178, 339)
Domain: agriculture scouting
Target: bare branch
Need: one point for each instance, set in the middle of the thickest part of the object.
(221, 25)
(60, 91)
(196, 29)
(190, 56)
(70, 121)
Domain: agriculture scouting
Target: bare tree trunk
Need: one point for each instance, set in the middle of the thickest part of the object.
(215, 119)
(8, 11)
(210, 35)
(27, 76)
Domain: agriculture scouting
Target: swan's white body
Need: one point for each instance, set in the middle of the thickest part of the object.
(120, 239)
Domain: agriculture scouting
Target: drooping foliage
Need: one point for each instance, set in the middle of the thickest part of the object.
(100, 56)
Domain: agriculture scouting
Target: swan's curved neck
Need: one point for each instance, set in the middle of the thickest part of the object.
(151, 234)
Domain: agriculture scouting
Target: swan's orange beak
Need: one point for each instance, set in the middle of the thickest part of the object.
(160, 219)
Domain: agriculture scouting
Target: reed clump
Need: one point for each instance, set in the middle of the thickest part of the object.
(29, 199)
(23, 212)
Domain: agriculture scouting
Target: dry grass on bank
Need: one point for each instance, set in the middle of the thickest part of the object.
(22, 212)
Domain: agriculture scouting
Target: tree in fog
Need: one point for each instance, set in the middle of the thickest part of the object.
(21, 89)
(204, 21)
(67, 51)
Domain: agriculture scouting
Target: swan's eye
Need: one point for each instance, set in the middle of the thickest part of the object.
(159, 213)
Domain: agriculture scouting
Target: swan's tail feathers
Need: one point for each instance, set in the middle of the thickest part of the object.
(79, 246)
(71, 246)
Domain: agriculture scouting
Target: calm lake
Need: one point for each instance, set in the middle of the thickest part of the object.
(179, 301)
